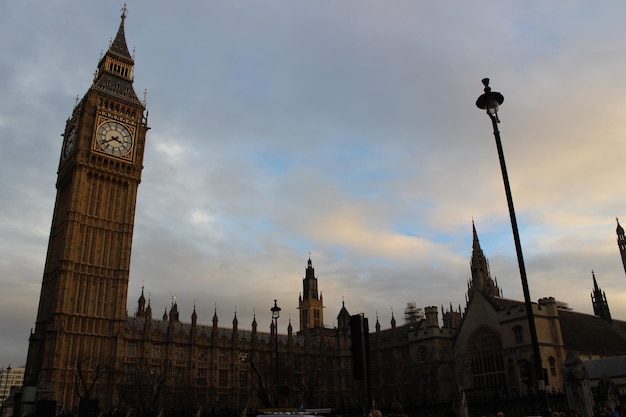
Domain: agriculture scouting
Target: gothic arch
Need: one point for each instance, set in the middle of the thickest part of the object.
(488, 369)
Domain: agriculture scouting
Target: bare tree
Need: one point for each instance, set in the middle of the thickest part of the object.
(140, 388)
(264, 391)
(86, 376)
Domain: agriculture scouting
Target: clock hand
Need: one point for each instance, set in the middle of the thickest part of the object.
(115, 138)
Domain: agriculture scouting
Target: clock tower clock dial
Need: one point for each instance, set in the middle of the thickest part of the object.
(114, 138)
(70, 138)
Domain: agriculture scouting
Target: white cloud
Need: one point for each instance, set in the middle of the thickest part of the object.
(347, 130)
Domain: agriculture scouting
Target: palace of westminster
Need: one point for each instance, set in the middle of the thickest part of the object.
(86, 350)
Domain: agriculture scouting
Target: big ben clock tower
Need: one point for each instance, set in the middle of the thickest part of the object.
(76, 346)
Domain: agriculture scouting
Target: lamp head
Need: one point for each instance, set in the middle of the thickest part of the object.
(275, 311)
(489, 100)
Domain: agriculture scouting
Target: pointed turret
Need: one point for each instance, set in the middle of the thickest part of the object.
(253, 337)
(215, 321)
(194, 316)
(141, 305)
(115, 69)
(621, 242)
(194, 323)
(310, 282)
(481, 277)
(149, 309)
(119, 46)
(235, 333)
(343, 318)
(174, 311)
(598, 299)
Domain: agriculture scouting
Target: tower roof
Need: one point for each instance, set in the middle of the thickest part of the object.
(119, 46)
(481, 276)
(475, 241)
(115, 69)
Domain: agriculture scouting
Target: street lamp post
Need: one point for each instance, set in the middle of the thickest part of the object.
(275, 315)
(491, 101)
(6, 384)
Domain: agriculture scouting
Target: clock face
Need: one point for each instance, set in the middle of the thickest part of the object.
(114, 138)
(70, 138)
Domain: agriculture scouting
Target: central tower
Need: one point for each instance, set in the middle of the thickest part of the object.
(310, 304)
(76, 345)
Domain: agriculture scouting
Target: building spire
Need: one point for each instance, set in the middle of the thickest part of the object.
(141, 304)
(481, 276)
(116, 67)
(621, 242)
(598, 299)
(119, 46)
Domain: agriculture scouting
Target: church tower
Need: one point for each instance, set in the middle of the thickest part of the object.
(621, 243)
(481, 277)
(598, 299)
(310, 304)
(76, 346)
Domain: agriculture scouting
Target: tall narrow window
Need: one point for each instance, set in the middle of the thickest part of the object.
(223, 378)
(518, 331)
(552, 362)
(487, 362)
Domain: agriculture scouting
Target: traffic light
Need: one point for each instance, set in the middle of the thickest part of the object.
(359, 333)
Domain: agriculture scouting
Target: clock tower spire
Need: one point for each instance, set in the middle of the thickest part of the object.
(82, 307)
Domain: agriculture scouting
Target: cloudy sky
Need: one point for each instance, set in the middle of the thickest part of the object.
(346, 130)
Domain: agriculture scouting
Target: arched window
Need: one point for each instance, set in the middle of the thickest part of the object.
(487, 362)
(552, 363)
(518, 331)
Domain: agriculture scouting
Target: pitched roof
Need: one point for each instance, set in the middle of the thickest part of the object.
(611, 367)
(587, 333)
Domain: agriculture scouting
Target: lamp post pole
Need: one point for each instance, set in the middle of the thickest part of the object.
(490, 101)
(275, 315)
(6, 384)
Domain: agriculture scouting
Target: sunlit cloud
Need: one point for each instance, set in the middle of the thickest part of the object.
(348, 132)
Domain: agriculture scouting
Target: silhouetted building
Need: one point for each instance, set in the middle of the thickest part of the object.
(85, 350)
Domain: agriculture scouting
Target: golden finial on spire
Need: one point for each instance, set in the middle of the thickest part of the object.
(124, 11)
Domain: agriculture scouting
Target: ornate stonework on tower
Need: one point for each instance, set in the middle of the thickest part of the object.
(82, 306)
(600, 304)
(481, 277)
(621, 243)
(310, 303)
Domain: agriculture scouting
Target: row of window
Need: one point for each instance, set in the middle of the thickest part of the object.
(180, 353)
(180, 374)
(115, 106)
